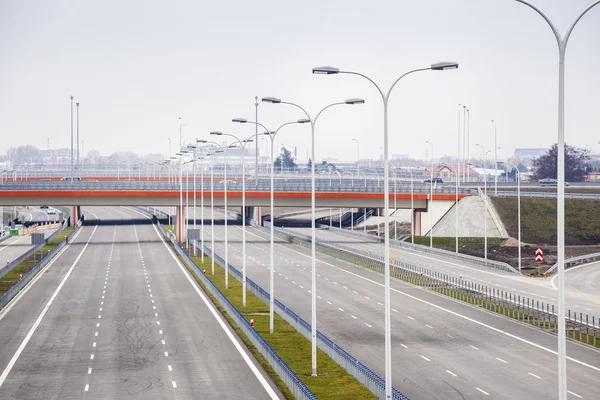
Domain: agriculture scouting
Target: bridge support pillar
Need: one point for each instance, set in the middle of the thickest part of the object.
(74, 215)
(417, 230)
(180, 224)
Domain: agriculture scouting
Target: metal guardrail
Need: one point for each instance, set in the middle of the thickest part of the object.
(11, 265)
(16, 288)
(418, 248)
(571, 262)
(361, 372)
(291, 380)
(526, 309)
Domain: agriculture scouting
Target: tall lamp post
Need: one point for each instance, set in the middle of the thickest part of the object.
(77, 114)
(71, 138)
(386, 201)
(485, 235)
(313, 123)
(430, 210)
(243, 147)
(272, 241)
(518, 207)
(225, 205)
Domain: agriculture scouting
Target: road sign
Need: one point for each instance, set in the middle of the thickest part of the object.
(539, 255)
(38, 238)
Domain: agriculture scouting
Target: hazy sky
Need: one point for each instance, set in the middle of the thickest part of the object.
(136, 66)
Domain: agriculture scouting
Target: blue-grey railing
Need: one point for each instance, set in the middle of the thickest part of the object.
(361, 372)
(16, 288)
(291, 380)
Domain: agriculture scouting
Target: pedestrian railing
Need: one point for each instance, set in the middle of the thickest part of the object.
(361, 372)
(572, 262)
(291, 380)
(527, 309)
(16, 288)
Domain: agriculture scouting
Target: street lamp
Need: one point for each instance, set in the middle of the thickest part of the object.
(430, 210)
(495, 158)
(272, 241)
(386, 192)
(225, 206)
(484, 156)
(518, 208)
(243, 147)
(313, 123)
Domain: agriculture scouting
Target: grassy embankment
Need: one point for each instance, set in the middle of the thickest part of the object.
(443, 241)
(332, 382)
(8, 280)
(538, 220)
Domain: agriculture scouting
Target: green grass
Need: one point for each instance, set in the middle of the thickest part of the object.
(451, 241)
(538, 220)
(332, 382)
(9, 279)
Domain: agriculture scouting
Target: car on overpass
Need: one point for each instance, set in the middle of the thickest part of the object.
(550, 182)
(433, 180)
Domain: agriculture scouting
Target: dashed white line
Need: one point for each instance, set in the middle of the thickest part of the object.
(450, 336)
(89, 371)
(366, 297)
(174, 384)
(94, 344)
(501, 360)
(574, 394)
(157, 322)
(451, 373)
(429, 326)
(96, 334)
(483, 391)
(403, 345)
(534, 375)
(328, 302)
(409, 317)
(354, 317)
(380, 303)
(170, 368)
(160, 331)
(425, 358)
(473, 347)
(87, 387)
(368, 325)
(166, 354)
(92, 356)
(162, 341)
(341, 309)
(99, 316)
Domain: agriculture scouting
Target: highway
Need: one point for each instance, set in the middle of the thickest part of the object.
(14, 246)
(36, 214)
(442, 349)
(584, 298)
(117, 316)
(583, 281)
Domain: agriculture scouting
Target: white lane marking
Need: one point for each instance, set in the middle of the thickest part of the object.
(473, 347)
(534, 375)
(92, 356)
(225, 328)
(89, 371)
(341, 309)
(425, 358)
(94, 344)
(174, 384)
(501, 360)
(450, 336)
(156, 314)
(100, 309)
(163, 342)
(394, 310)
(319, 297)
(355, 292)
(328, 302)
(166, 354)
(157, 322)
(574, 394)
(96, 334)
(380, 303)
(98, 324)
(344, 287)
(429, 326)
(15, 357)
(160, 331)
(409, 317)
(366, 297)
(301, 287)
(170, 368)
(403, 345)
(368, 325)
(99, 316)
(483, 391)
(451, 373)
(354, 317)
(87, 387)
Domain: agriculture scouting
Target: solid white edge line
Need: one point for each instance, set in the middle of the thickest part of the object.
(15, 357)
(219, 319)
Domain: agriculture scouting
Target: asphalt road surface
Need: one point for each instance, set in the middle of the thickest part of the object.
(14, 246)
(36, 214)
(116, 316)
(442, 349)
(580, 298)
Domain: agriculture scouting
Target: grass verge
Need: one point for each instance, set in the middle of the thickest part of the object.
(7, 281)
(451, 241)
(332, 382)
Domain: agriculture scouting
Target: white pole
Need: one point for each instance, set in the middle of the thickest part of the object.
(202, 206)
(187, 206)
(430, 210)
(272, 244)
(195, 231)
(212, 213)
(244, 221)
(226, 233)
(458, 171)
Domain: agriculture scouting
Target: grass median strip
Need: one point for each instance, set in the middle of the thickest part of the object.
(8, 280)
(332, 382)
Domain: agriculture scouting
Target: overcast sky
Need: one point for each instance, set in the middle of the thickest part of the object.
(136, 66)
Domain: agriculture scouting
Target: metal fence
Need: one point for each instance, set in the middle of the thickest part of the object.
(16, 288)
(580, 327)
(291, 380)
(572, 262)
(423, 249)
(361, 372)
(11, 265)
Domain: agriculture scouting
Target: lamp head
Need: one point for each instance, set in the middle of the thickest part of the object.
(218, 151)
(201, 140)
(326, 70)
(218, 133)
(303, 121)
(248, 141)
(273, 100)
(441, 66)
(240, 120)
(178, 154)
(355, 101)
